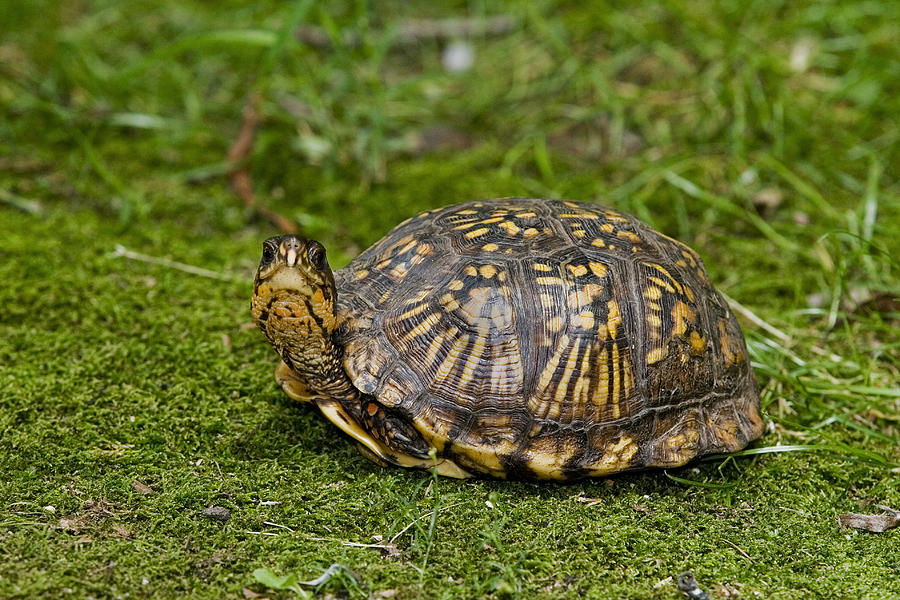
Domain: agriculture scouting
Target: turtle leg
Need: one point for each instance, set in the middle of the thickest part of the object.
(374, 445)
(292, 385)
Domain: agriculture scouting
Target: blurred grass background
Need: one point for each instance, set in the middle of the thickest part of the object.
(764, 134)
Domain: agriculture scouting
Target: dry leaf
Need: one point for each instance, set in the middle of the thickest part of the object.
(141, 488)
(873, 523)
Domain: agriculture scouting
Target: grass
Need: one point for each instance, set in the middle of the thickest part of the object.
(116, 121)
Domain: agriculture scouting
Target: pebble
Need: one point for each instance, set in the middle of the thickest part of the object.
(217, 513)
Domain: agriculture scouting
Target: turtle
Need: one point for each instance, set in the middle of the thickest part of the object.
(514, 338)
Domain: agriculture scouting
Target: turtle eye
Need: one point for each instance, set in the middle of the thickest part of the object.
(268, 253)
(316, 254)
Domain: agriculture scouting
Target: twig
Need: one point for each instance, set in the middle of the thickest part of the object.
(751, 316)
(736, 547)
(240, 175)
(122, 252)
(32, 207)
(271, 524)
(418, 30)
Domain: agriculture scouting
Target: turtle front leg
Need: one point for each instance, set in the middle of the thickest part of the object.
(292, 385)
(371, 429)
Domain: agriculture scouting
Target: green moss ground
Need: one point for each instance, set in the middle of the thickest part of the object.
(115, 119)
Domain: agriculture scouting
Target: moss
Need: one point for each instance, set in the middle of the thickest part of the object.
(115, 371)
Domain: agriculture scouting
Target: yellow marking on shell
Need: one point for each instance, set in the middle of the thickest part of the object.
(478, 297)
(654, 321)
(467, 212)
(455, 285)
(676, 445)
(548, 455)
(582, 384)
(598, 243)
(476, 233)
(654, 306)
(472, 360)
(579, 233)
(616, 456)
(597, 269)
(681, 263)
(607, 228)
(555, 324)
(681, 315)
(630, 236)
(435, 347)
(361, 274)
(578, 270)
(502, 277)
(530, 232)
(465, 226)
(424, 326)
(544, 381)
(398, 271)
(585, 320)
(492, 247)
(581, 215)
(653, 293)
(725, 343)
(384, 264)
(584, 295)
(449, 302)
(491, 220)
(510, 227)
(614, 216)
(471, 271)
(422, 250)
(666, 273)
(698, 343)
(542, 267)
(453, 355)
(613, 318)
(550, 281)
(571, 363)
(690, 257)
(384, 297)
(487, 271)
(688, 292)
(526, 215)
(506, 374)
(571, 204)
(617, 381)
(601, 394)
(662, 283)
(409, 246)
(413, 312)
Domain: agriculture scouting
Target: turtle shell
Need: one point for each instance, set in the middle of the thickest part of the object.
(530, 338)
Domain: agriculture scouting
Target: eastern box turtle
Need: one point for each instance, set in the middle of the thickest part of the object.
(516, 338)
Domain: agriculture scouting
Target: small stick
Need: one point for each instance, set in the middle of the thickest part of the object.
(240, 175)
(122, 252)
(271, 524)
(736, 547)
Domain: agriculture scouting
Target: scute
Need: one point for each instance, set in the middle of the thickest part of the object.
(550, 339)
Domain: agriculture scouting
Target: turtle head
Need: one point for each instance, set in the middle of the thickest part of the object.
(295, 286)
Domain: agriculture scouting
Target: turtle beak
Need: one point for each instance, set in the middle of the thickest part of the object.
(290, 249)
